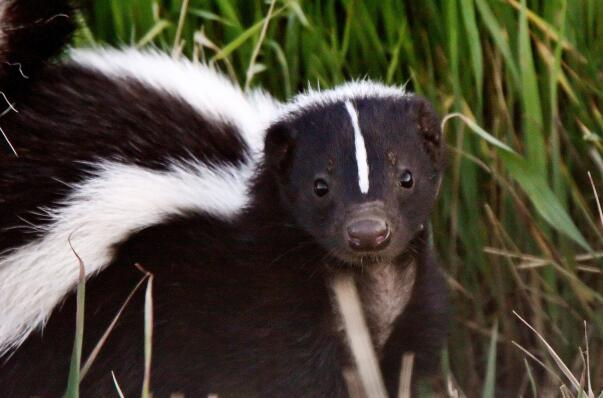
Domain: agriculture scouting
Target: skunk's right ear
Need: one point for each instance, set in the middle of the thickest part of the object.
(279, 147)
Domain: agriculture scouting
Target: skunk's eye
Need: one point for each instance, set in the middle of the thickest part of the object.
(321, 188)
(406, 180)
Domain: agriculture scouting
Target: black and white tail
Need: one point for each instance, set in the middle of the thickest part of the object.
(110, 142)
(105, 144)
(31, 33)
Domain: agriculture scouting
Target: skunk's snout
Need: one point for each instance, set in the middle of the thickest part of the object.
(368, 229)
(368, 234)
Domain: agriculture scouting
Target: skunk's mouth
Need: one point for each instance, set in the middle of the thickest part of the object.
(344, 257)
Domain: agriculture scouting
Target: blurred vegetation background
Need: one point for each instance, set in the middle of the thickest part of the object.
(517, 226)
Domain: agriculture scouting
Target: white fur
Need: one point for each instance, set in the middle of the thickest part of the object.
(205, 89)
(385, 291)
(114, 202)
(359, 145)
(347, 91)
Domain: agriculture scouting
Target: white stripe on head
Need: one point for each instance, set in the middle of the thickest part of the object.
(361, 156)
(354, 90)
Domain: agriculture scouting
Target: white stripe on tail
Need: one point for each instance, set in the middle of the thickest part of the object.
(115, 201)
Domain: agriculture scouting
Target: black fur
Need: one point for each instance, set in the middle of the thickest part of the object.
(31, 32)
(241, 307)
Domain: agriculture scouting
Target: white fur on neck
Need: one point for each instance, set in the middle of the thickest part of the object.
(205, 89)
(385, 290)
(115, 201)
(360, 146)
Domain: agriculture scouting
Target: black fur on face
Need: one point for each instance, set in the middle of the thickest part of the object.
(312, 155)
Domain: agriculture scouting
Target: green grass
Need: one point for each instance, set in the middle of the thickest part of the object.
(517, 224)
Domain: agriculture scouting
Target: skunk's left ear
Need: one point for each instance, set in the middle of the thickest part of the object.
(428, 126)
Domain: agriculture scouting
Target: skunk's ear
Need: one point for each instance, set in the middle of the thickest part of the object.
(279, 147)
(428, 126)
(31, 32)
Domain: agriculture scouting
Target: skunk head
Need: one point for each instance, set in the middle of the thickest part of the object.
(358, 168)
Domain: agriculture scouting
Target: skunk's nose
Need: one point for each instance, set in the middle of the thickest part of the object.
(368, 234)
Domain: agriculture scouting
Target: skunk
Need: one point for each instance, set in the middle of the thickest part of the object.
(243, 209)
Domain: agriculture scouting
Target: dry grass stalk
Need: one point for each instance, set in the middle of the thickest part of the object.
(358, 336)
(405, 386)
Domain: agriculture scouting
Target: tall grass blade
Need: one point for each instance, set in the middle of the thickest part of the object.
(242, 38)
(562, 366)
(544, 26)
(101, 342)
(591, 393)
(117, 387)
(478, 130)
(542, 197)
(152, 34)
(405, 385)
(550, 371)
(208, 15)
(531, 378)
(452, 21)
(592, 184)
(499, 36)
(532, 109)
(73, 380)
(475, 48)
(489, 390)
(177, 40)
(148, 337)
(251, 69)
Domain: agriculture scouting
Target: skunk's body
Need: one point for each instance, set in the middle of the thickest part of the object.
(135, 159)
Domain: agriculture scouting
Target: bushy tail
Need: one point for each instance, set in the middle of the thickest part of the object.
(31, 32)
